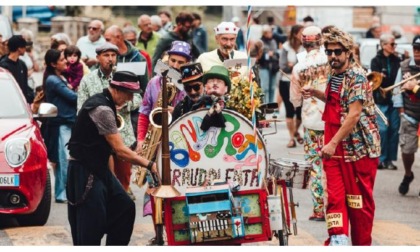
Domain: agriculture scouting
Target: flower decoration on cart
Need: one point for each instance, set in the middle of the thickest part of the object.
(240, 98)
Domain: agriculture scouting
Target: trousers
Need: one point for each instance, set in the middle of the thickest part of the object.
(106, 209)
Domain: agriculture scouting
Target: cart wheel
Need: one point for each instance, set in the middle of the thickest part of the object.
(283, 237)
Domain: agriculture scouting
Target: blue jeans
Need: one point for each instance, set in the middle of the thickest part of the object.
(268, 85)
(389, 134)
(61, 169)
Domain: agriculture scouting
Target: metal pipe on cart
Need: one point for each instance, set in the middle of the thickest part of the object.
(165, 190)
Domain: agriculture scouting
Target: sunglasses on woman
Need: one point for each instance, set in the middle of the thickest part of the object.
(337, 52)
(190, 88)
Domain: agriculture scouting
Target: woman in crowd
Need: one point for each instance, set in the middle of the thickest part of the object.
(288, 59)
(58, 129)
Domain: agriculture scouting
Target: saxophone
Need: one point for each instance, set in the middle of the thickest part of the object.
(153, 135)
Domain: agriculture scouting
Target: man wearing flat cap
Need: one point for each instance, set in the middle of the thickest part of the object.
(225, 33)
(192, 79)
(94, 83)
(17, 47)
(97, 203)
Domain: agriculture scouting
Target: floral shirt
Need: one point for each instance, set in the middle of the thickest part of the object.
(94, 83)
(364, 140)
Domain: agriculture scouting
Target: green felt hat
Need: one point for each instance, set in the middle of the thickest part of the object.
(218, 72)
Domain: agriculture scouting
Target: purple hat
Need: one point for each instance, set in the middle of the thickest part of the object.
(180, 48)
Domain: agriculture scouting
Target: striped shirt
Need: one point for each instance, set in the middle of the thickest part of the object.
(336, 81)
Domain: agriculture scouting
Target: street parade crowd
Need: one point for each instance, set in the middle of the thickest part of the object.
(104, 127)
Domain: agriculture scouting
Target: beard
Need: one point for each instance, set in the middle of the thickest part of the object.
(336, 64)
(226, 50)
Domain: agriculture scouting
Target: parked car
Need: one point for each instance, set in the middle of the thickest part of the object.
(42, 13)
(370, 47)
(6, 30)
(25, 183)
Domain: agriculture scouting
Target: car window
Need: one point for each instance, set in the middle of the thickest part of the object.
(11, 100)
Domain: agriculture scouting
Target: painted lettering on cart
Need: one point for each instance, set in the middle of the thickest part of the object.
(197, 176)
(355, 201)
(189, 144)
(334, 220)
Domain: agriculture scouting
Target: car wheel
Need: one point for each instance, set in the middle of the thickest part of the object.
(40, 216)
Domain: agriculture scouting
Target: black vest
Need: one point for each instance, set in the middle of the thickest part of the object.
(411, 102)
(86, 144)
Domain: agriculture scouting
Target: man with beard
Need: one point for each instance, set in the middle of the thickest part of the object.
(180, 32)
(226, 33)
(352, 144)
(88, 44)
(193, 85)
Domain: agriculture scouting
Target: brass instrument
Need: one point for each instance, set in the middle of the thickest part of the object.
(387, 89)
(375, 79)
(154, 132)
(120, 122)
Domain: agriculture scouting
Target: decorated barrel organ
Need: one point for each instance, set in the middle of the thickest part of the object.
(213, 214)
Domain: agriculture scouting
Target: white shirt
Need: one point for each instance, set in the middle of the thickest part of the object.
(88, 48)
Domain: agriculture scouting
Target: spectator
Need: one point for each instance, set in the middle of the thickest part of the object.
(74, 70)
(277, 31)
(269, 64)
(240, 40)
(387, 64)
(308, 21)
(130, 34)
(157, 25)
(147, 39)
(88, 44)
(181, 33)
(374, 31)
(3, 46)
(16, 46)
(30, 57)
(58, 129)
(288, 59)
(199, 34)
(165, 17)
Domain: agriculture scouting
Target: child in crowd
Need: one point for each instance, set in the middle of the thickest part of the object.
(74, 71)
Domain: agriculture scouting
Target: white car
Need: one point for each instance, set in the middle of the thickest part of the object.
(370, 47)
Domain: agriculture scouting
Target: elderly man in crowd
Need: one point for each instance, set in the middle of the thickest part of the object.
(147, 39)
(88, 44)
(226, 33)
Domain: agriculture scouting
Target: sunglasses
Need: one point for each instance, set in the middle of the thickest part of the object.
(337, 52)
(393, 44)
(190, 88)
(93, 28)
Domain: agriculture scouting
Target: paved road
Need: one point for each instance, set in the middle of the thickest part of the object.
(397, 219)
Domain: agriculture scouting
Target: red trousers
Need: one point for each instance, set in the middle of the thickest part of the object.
(350, 194)
(122, 170)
